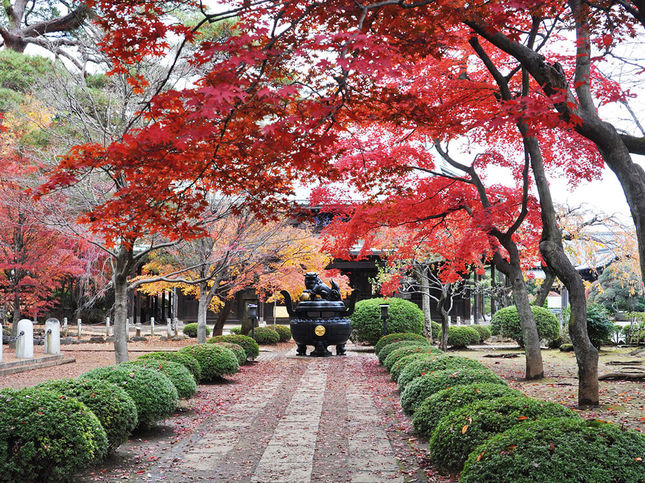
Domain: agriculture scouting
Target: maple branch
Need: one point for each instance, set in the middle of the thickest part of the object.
(635, 145)
(136, 258)
(167, 278)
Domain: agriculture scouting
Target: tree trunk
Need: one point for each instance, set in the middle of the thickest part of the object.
(15, 319)
(553, 253)
(202, 312)
(425, 300)
(120, 315)
(546, 286)
(445, 324)
(534, 365)
(513, 273)
(222, 317)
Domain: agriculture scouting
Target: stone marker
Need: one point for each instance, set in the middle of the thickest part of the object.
(152, 326)
(127, 328)
(25, 342)
(65, 326)
(107, 327)
(170, 332)
(137, 330)
(52, 336)
(1, 344)
(79, 324)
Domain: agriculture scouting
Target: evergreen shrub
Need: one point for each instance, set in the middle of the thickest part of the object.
(432, 409)
(402, 363)
(237, 350)
(398, 337)
(46, 436)
(401, 352)
(425, 386)
(403, 316)
(215, 361)
(187, 361)
(483, 331)
(506, 323)
(180, 377)
(284, 331)
(564, 450)
(191, 330)
(114, 408)
(388, 349)
(458, 433)
(152, 392)
(461, 336)
(443, 363)
(266, 335)
(249, 345)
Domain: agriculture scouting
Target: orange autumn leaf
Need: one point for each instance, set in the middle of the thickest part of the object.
(464, 429)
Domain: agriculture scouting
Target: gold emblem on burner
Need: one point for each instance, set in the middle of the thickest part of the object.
(320, 330)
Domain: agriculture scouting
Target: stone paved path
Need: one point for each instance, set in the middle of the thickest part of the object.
(312, 420)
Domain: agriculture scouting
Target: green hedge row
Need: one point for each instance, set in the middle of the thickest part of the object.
(480, 427)
(57, 428)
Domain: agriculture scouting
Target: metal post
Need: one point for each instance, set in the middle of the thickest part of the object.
(384, 311)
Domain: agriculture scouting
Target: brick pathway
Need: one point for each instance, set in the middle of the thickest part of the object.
(314, 420)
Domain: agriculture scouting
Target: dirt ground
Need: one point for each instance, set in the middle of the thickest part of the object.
(621, 401)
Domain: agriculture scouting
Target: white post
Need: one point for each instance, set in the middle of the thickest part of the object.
(25, 342)
(127, 328)
(170, 334)
(79, 324)
(65, 326)
(52, 336)
(107, 327)
(1, 344)
(152, 326)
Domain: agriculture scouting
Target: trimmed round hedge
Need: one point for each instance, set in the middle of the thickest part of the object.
(443, 363)
(187, 361)
(249, 345)
(114, 408)
(388, 349)
(403, 316)
(398, 337)
(461, 431)
(506, 323)
(180, 377)
(403, 362)
(215, 361)
(461, 336)
(284, 331)
(401, 352)
(152, 392)
(436, 330)
(483, 331)
(564, 450)
(266, 335)
(237, 350)
(425, 386)
(432, 409)
(46, 436)
(191, 330)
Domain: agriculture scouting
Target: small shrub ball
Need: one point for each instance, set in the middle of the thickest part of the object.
(398, 337)
(180, 377)
(403, 362)
(483, 331)
(111, 404)
(564, 450)
(462, 336)
(215, 361)
(403, 316)
(444, 402)
(506, 323)
(423, 387)
(249, 345)
(443, 363)
(458, 433)
(186, 360)
(152, 392)
(46, 436)
(401, 352)
(284, 331)
(266, 335)
(191, 330)
(237, 350)
(388, 349)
